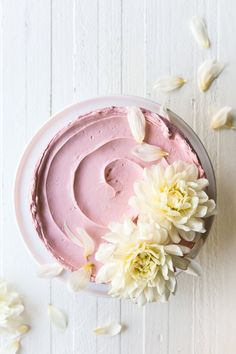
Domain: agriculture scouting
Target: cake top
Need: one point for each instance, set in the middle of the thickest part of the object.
(85, 178)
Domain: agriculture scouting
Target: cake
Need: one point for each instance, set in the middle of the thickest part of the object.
(85, 176)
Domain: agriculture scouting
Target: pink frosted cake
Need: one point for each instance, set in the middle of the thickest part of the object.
(85, 177)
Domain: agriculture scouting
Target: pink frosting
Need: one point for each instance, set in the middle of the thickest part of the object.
(86, 174)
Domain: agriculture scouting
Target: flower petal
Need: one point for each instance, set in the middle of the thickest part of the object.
(221, 118)
(79, 279)
(104, 252)
(105, 273)
(22, 329)
(12, 348)
(211, 207)
(199, 31)
(111, 329)
(169, 83)
(57, 317)
(148, 153)
(194, 268)
(173, 249)
(49, 270)
(174, 235)
(208, 71)
(84, 240)
(137, 123)
(72, 236)
(87, 242)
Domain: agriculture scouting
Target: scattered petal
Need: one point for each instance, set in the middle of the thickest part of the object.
(194, 268)
(199, 31)
(148, 152)
(169, 83)
(71, 236)
(49, 270)
(83, 240)
(58, 318)
(12, 348)
(222, 118)
(80, 278)
(87, 242)
(109, 330)
(137, 123)
(208, 71)
(22, 329)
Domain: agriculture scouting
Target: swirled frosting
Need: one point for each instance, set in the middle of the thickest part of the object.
(85, 177)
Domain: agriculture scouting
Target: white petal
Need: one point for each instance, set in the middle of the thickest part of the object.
(199, 31)
(22, 329)
(79, 279)
(87, 242)
(187, 235)
(169, 83)
(201, 211)
(137, 123)
(71, 236)
(211, 207)
(148, 153)
(173, 249)
(208, 71)
(49, 270)
(109, 330)
(57, 317)
(12, 348)
(184, 249)
(106, 272)
(104, 252)
(83, 240)
(221, 117)
(194, 268)
(171, 283)
(174, 235)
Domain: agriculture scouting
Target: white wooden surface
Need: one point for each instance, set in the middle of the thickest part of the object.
(55, 52)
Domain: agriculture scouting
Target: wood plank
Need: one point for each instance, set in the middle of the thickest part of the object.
(205, 293)
(109, 47)
(181, 53)
(26, 72)
(222, 277)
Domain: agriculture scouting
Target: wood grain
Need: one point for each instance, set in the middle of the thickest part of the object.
(55, 52)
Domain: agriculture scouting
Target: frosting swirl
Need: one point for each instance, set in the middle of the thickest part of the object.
(85, 177)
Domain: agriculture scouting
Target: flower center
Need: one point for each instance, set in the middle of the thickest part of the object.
(176, 197)
(145, 264)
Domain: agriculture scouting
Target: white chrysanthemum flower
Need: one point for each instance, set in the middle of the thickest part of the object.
(11, 309)
(138, 262)
(175, 198)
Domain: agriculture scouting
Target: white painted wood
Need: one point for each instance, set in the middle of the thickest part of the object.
(25, 102)
(54, 52)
